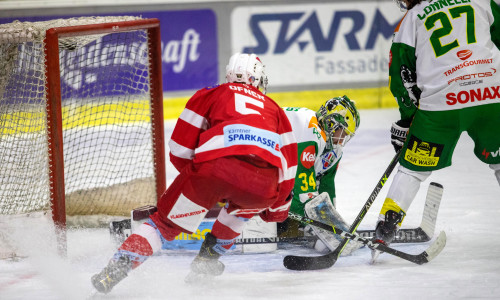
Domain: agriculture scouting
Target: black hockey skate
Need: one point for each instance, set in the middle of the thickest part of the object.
(206, 264)
(386, 230)
(113, 273)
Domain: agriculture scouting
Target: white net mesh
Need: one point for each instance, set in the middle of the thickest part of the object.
(107, 126)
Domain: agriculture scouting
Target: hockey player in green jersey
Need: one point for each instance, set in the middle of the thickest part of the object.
(321, 137)
(444, 72)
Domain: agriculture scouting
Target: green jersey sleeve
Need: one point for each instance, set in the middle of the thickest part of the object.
(495, 27)
(402, 79)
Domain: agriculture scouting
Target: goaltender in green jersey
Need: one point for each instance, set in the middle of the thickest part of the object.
(321, 137)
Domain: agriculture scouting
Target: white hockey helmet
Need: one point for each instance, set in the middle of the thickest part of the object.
(247, 68)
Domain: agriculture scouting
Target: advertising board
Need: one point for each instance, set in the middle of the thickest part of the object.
(325, 43)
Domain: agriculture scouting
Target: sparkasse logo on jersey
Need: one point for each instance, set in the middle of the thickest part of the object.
(308, 156)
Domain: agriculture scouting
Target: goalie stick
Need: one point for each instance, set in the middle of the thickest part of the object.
(275, 239)
(405, 235)
(420, 234)
(424, 257)
(293, 262)
(423, 233)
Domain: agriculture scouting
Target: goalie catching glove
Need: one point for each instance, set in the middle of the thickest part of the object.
(399, 131)
(321, 209)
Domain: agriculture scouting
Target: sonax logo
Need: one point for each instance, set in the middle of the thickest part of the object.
(464, 97)
(308, 156)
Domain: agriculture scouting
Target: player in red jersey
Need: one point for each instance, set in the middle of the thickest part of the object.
(232, 143)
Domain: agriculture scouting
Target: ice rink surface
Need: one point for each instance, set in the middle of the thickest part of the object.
(468, 267)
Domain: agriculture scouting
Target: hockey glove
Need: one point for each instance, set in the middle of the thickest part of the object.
(399, 131)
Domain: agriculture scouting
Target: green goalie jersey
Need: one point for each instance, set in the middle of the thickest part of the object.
(445, 56)
(316, 166)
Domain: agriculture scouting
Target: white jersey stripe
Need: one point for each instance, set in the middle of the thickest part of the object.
(194, 119)
(284, 207)
(149, 233)
(288, 138)
(180, 151)
(235, 223)
(216, 142)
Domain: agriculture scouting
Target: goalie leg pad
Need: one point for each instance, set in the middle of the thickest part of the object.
(321, 209)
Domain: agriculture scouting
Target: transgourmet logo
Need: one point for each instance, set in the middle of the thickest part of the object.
(468, 63)
(464, 54)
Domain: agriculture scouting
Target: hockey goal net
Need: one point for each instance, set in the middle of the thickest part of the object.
(81, 117)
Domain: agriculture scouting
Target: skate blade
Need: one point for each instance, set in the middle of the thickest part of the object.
(375, 255)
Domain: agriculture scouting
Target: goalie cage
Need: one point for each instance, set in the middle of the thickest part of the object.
(81, 118)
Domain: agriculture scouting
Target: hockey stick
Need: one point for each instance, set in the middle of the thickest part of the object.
(421, 234)
(275, 239)
(425, 231)
(405, 235)
(424, 257)
(293, 262)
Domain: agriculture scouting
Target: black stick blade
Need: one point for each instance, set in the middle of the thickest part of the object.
(307, 263)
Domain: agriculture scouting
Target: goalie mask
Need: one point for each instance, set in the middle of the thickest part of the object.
(248, 69)
(339, 119)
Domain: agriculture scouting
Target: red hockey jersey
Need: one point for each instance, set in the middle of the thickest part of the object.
(235, 119)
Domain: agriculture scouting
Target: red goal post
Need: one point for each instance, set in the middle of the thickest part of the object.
(87, 92)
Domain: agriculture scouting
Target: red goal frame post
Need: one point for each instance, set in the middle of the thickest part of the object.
(54, 115)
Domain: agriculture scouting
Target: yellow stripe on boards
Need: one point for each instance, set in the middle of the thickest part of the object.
(119, 112)
(369, 98)
(87, 115)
